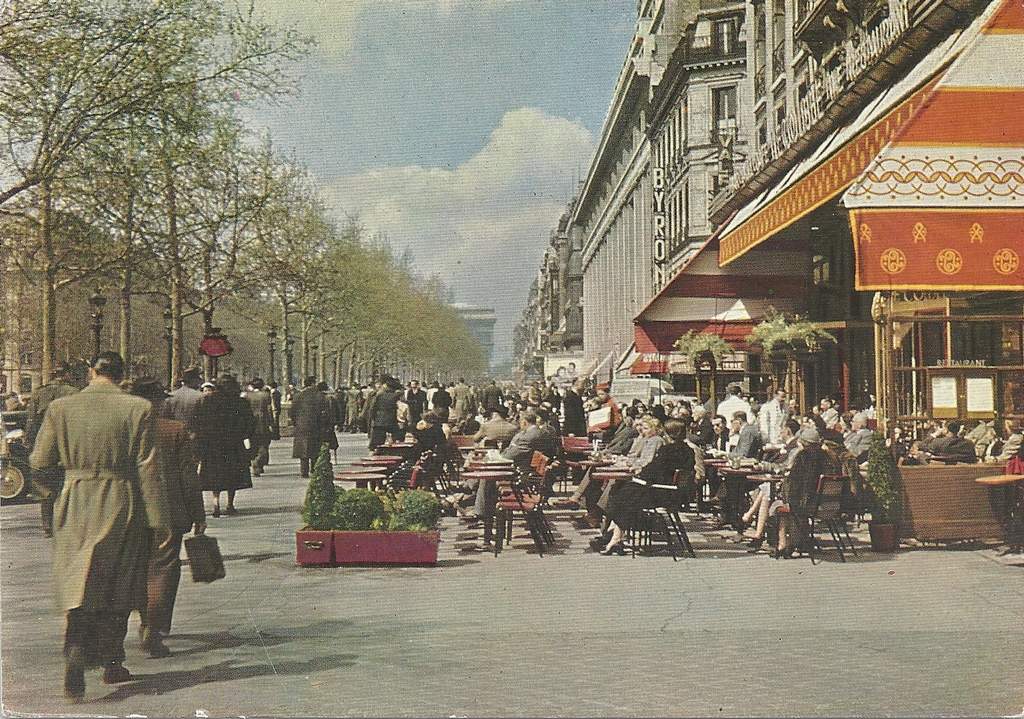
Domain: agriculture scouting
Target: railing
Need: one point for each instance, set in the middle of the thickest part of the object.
(759, 87)
(823, 89)
(779, 61)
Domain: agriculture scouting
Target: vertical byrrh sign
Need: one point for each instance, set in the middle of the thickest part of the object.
(659, 245)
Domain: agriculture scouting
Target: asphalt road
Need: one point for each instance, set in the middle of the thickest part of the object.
(921, 633)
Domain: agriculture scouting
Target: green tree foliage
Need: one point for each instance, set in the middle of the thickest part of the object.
(321, 495)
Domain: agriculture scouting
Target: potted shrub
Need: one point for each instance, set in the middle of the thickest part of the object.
(314, 543)
(883, 479)
(376, 529)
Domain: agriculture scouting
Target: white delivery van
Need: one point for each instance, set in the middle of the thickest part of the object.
(647, 390)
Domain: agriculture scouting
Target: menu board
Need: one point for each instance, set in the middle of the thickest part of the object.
(980, 395)
(944, 392)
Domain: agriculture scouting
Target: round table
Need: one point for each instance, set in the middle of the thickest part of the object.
(1007, 494)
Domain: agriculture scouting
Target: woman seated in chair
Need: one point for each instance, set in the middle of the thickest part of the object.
(798, 490)
(430, 436)
(626, 499)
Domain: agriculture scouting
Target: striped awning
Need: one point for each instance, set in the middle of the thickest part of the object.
(841, 160)
(941, 206)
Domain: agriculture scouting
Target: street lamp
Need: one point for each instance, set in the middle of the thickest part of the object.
(289, 350)
(316, 365)
(97, 301)
(271, 336)
(169, 339)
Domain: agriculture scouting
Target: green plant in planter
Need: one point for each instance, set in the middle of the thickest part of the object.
(695, 344)
(795, 333)
(318, 507)
(357, 509)
(884, 480)
(415, 510)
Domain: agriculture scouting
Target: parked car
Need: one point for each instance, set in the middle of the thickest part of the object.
(14, 469)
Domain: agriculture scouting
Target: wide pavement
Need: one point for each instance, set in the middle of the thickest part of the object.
(925, 632)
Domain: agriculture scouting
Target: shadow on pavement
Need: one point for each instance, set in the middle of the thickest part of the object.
(226, 671)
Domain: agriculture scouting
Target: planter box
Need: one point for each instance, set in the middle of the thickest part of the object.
(314, 548)
(944, 503)
(415, 548)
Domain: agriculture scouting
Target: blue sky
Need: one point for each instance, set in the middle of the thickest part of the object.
(458, 127)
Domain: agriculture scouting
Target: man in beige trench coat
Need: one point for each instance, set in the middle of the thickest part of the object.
(104, 440)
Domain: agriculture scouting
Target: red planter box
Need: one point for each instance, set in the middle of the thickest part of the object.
(386, 547)
(314, 548)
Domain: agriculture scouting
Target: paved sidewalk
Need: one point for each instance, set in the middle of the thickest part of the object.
(924, 632)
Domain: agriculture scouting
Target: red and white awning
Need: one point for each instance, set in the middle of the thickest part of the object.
(941, 206)
(949, 130)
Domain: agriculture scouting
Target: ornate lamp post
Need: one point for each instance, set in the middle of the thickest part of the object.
(289, 354)
(169, 340)
(97, 301)
(271, 336)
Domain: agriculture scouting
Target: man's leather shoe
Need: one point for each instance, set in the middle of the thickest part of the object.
(153, 643)
(116, 674)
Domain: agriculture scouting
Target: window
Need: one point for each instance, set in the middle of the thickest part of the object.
(723, 106)
(725, 37)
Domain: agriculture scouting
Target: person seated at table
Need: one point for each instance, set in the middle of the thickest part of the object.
(594, 495)
(626, 499)
(748, 438)
(948, 443)
(625, 434)
(429, 435)
(858, 439)
(982, 435)
(469, 426)
(1003, 450)
(552, 443)
(798, 489)
(761, 500)
(497, 430)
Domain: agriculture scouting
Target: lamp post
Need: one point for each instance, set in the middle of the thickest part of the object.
(271, 336)
(313, 349)
(97, 301)
(169, 339)
(289, 352)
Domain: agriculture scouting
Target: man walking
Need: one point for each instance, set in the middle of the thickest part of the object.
(417, 401)
(491, 398)
(574, 419)
(177, 470)
(772, 417)
(312, 417)
(461, 401)
(259, 402)
(181, 405)
(104, 439)
(47, 483)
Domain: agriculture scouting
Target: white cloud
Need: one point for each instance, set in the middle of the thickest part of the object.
(483, 224)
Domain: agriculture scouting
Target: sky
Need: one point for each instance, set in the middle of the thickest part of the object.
(457, 127)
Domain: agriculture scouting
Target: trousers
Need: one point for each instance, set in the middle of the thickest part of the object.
(163, 575)
(97, 637)
(304, 466)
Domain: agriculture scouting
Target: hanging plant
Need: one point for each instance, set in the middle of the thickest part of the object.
(694, 345)
(795, 333)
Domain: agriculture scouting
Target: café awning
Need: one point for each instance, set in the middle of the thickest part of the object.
(840, 159)
(703, 297)
(941, 206)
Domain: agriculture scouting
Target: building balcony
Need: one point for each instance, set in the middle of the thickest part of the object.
(759, 85)
(779, 61)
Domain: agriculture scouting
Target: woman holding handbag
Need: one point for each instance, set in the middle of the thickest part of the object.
(223, 428)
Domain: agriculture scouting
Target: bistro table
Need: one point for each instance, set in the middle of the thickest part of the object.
(734, 477)
(361, 478)
(1007, 494)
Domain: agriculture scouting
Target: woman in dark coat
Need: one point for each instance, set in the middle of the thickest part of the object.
(627, 498)
(222, 422)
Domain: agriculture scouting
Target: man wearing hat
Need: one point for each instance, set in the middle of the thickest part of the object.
(47, 483)
(259, 401)
(181, 405)
(177, 470)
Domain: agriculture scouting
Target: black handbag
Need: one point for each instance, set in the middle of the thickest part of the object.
(204, 558)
